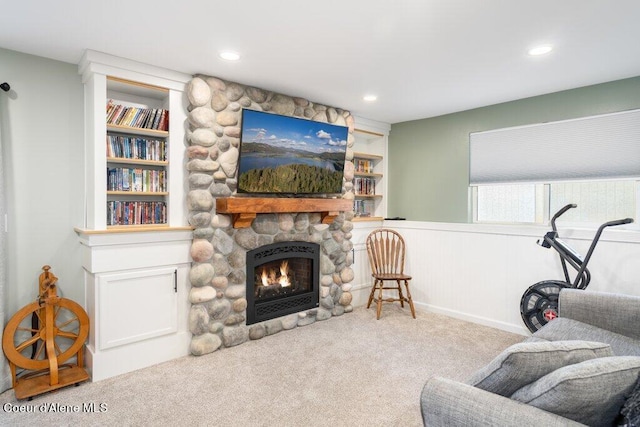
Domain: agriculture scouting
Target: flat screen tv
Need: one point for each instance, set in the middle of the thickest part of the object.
(291, 156)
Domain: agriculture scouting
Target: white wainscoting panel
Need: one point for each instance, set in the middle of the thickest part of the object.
(478, 272)
(362, 281)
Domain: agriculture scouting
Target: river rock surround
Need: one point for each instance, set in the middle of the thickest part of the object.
(217, 317)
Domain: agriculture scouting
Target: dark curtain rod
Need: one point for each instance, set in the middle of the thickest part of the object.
(5, 87)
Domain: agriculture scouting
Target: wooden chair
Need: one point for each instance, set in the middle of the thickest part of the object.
(386, 250)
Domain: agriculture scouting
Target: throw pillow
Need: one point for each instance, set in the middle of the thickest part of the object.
(630, 412)
(590, 392)
(525, 362)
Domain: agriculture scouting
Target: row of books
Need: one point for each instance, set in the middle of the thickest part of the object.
(136, 213)
(363, 166)
(364, 186)
(129, 147)
(136, 179)
(146, 118)
(363, 208)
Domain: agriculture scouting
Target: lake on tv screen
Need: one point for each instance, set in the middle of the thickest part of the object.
(249, 162)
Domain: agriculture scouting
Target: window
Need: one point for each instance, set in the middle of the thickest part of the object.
(597, 201)
(506, 203)
(525, 174)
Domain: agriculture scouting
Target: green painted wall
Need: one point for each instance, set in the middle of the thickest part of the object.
(428, 164)
(42, 142)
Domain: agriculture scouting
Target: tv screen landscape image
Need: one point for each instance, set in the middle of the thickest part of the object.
(289, 155)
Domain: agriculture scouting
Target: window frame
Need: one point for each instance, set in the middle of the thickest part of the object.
(543, 205)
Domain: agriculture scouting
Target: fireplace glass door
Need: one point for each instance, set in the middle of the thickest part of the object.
(282, 278)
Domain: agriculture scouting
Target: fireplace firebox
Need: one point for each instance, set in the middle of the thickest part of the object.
(282, 278)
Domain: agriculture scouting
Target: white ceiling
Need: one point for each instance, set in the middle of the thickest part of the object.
(422, 58)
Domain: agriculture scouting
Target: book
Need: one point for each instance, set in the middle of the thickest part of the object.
(146, 118)
(112, 119)
(136, 212)
(364, 166)
(364, 186)
(156, 119)
(140, 148)
(164, 120)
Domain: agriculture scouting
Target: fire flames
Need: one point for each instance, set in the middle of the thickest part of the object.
(270, 278)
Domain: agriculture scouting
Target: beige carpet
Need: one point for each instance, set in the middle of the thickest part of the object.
(346, 371)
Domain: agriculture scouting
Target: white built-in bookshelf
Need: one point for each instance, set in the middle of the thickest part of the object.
(137, 144)
(135, 238)
(370, 196)
(369, 185)
(134, 115)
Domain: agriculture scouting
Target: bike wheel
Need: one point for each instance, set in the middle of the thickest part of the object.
(539, 303)
(25, 345)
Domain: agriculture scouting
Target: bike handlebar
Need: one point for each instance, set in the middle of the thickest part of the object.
(617, 222)
(560, 212)
(568, 255)
(573, 205)
(599, 233)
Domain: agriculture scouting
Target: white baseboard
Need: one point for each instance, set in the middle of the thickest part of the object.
(127, 358)
(360, 293)
(503, 326)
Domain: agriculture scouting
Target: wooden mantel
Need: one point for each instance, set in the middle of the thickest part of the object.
(245, 209)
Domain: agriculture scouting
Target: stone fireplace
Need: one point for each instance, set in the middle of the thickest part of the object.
(226, 310)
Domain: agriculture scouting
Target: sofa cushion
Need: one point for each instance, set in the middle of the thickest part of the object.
(630, 412)
(449, 403)
(590, 392)
(614, 312)
(525, 362)
(564, 328)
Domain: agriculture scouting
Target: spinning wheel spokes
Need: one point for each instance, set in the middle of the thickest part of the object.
(63, 334)
(28, 343)
(70, 330)
(68, 322)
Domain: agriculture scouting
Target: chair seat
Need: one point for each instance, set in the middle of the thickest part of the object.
(391, 276)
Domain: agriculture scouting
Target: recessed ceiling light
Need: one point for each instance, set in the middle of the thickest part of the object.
(540, 50)
(229, 55)
(370, 98)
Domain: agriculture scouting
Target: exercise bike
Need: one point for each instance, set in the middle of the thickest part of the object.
(539, 303)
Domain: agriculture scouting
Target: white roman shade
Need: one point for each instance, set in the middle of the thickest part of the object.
(596, 147)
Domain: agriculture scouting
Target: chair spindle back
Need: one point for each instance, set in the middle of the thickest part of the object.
(386, 250)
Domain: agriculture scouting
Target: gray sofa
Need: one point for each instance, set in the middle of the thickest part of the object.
(583, 316)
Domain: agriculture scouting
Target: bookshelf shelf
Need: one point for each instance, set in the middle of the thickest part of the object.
(130, 130)
(143, 227)
(369, 196)
(367, 218)
(367, 156)
(137, 193)
(123, 160)
(118, 229)
(137, 88)
(369, 175)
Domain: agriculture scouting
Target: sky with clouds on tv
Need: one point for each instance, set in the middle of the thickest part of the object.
(293, 133)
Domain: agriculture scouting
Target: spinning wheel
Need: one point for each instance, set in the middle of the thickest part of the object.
(41, 337)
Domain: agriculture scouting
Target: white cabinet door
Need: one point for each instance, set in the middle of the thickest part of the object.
(136, 305)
